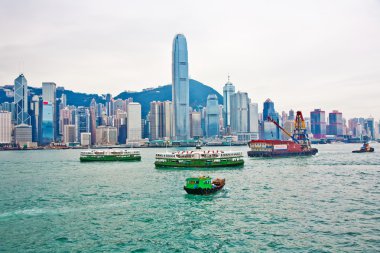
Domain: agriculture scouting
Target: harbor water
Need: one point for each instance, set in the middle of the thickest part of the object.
(51, 202)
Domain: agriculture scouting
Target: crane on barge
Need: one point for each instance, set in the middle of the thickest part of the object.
(300, 135)
(298, 146)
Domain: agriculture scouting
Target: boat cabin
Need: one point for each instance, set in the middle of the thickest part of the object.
(199, 182)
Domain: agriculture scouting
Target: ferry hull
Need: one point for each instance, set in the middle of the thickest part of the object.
(310, 152)
(198, 164)
(110, 158)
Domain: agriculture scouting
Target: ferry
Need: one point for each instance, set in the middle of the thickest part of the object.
(203, 185)
(205, 159)
(94, 155)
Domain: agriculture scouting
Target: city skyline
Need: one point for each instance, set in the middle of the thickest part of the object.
(275, 51)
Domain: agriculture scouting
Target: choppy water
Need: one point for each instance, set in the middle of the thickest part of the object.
(50, 202)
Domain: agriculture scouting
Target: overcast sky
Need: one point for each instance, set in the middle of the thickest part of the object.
(301, 54)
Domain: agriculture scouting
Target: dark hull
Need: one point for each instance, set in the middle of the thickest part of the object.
(200, 191)
(199, 163)
(310, 152)
(364, 151)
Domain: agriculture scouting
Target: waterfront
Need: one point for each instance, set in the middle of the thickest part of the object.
(49, 201)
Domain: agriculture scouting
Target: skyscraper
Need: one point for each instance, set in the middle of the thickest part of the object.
(93, 118)
(82, 121)
(155, 120)
(228, 90)
(196, 119)
(369, 126)
(180, 89)
(5, 127)
(254, 118)
(49, 95)
(270, 130)
(239, 112)
(21, 100)
(47, 123)
(268, 109)
(335, 123)
(133, 121)
(318, 123)
(160, 120)
(69, 134)
(36, 118)
(212, 116)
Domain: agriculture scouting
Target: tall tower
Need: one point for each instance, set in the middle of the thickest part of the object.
(228, 90)
(21, 100)
(180, 89)
(49, 96)
(212, 116)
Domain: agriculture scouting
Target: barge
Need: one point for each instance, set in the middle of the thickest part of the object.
(299, 145)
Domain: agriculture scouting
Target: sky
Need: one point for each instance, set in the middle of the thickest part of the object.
(302, 54)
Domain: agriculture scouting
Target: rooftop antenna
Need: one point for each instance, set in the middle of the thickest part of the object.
(228, 77)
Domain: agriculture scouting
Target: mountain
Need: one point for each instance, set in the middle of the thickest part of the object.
(198, 96)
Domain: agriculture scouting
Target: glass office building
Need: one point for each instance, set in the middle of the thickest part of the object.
(21, 100)
(180, 89)
(228, 90)
(212, 116)
(318, 123)
(47, 123)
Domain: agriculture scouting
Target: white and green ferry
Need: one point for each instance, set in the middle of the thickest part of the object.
(206, 158)
(96, 155)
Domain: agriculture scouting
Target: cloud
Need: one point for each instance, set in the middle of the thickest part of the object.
(302, 54)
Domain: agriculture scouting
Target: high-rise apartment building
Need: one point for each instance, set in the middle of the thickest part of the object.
(180, 89)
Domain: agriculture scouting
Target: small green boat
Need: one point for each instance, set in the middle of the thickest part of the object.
(110, 155)
(205, 159)
(203, 185)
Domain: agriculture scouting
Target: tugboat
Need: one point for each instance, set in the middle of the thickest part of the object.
(106, 155)
(364, 149)
(205, 159)
(298, 146)
(203, 185)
